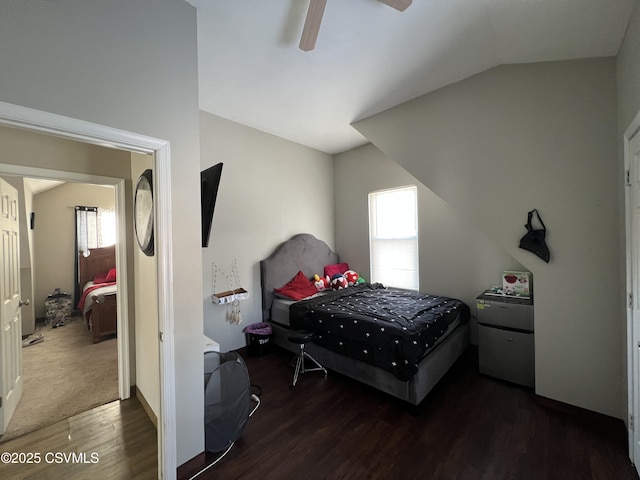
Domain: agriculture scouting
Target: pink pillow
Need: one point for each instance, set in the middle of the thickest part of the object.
(297, 288)
(111, 276)
(331, 270)
(100, 278)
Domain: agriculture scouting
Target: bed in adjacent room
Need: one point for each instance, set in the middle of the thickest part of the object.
(397, 341)
(98, 302)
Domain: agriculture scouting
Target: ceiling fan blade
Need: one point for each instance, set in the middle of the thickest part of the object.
(401, 5)
(312, 24)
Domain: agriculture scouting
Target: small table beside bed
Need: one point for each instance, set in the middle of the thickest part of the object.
(397, 341)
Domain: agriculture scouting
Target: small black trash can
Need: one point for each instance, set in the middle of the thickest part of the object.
(258, 336)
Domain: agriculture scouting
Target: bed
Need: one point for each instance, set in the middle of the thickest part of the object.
(309, 255)
(98, 303)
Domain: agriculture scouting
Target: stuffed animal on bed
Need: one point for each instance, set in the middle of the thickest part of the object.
(321, 283)
(338, 282)
(351, 276)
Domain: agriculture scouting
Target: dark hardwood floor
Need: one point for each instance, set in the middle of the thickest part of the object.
(469, 427)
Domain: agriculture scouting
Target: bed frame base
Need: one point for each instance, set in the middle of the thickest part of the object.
(104, 311)
(430, 371)
(104, 318)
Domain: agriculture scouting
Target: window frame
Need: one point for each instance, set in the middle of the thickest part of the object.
(412, 274)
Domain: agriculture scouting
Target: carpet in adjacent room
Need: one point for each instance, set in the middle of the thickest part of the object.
(64, 375)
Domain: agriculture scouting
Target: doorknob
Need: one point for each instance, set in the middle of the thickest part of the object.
(24, 303)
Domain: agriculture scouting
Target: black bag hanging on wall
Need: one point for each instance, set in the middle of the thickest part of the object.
(534, 240)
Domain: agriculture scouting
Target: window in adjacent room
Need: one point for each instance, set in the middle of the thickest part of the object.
(106, 227)
(393, 237)
(95, 227)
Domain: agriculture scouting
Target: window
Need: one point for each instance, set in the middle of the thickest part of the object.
(393, 237)
(106, 227)
(95, 227)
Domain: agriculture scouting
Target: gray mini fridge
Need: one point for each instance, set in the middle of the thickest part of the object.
(505, 338)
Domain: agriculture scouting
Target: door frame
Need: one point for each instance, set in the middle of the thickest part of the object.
(79, 130)
(633, 324)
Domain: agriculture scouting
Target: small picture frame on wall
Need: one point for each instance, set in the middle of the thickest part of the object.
(33, 220)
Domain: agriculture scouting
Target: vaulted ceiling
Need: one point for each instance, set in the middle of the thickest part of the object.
(370, 57)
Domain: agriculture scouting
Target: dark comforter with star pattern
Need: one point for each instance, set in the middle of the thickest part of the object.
(392, 329)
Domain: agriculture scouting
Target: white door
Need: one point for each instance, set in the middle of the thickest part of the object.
(10, 318)
(634, 222)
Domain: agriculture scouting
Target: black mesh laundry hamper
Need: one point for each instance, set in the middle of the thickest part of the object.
(227, 395)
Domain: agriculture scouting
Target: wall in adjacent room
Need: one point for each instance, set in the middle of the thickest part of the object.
(54, 235)
(37, 150)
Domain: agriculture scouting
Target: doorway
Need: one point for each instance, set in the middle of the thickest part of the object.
(65, 127)
(64, 371)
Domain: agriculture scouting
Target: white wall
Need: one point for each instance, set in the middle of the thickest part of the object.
(145, 292)
(534, 136)
(130, 65)
(628, 73)
(456, 259)
(270, 190)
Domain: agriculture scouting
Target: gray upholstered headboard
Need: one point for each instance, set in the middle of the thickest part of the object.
(301, 252)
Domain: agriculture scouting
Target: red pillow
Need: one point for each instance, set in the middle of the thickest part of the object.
(298, 288)
(331, 270)
(100, 278)
(111, 276)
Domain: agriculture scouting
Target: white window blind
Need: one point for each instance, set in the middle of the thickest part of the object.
(106, 227)
(393, 237)
(95, 227)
